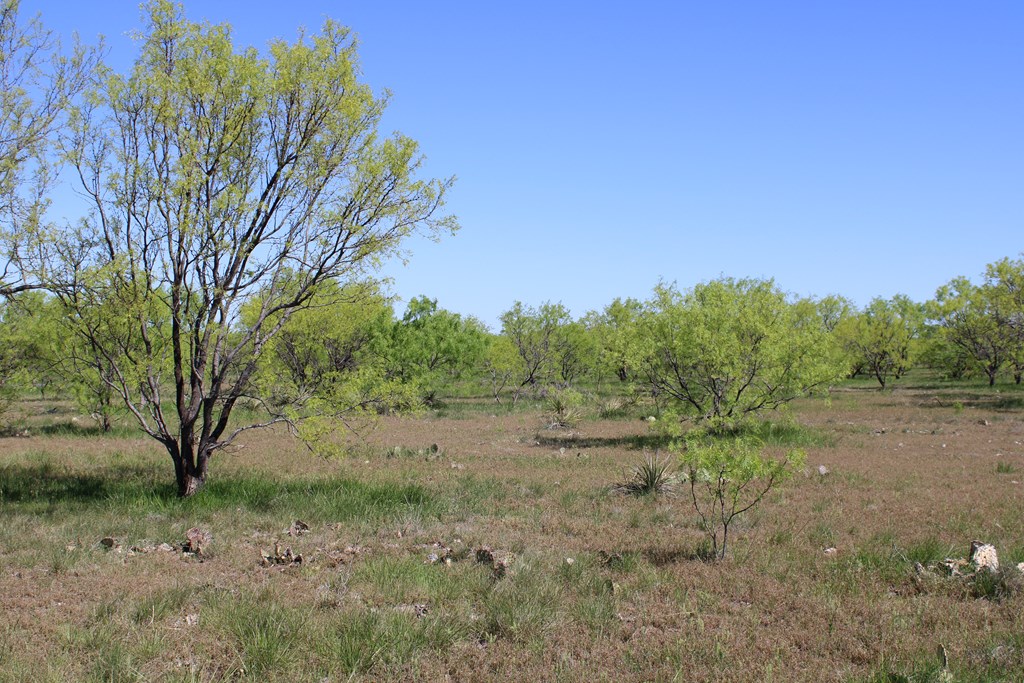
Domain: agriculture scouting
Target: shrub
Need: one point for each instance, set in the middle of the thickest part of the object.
(650, 477)
(728, 478)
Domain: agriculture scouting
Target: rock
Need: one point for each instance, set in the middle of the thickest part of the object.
(1020, 567)
(280, 557)
(196, 541)
(956, 566)
(984, 423)
(983, 556)
(822, 470)
(830, 551)
(500, 560)
(165, 548)
(298, 528)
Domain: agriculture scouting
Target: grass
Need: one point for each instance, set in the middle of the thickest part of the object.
(598, 585)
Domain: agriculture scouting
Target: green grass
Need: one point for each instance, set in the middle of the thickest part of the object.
(51, 490)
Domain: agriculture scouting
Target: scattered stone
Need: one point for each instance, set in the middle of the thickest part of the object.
(500, 560)
(983, 556)
(822, 470)
(441, 554)
(280, 557)
(337, 557)
(165, 548)
(298, 528)
(187, 620)
(956, 566)
(196, 541)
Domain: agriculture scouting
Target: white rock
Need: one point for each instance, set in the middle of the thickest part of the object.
(983, 556)
(822, 470)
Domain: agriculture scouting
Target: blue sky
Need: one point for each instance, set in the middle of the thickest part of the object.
(865, 149)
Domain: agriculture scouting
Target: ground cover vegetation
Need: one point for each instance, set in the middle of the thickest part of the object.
(724, 482)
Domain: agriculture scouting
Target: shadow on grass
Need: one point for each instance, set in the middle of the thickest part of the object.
(47, 489)
(634, 441)
(989, 401)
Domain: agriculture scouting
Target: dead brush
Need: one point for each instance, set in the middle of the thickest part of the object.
(653, 477)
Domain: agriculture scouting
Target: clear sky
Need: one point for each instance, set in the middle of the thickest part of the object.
(860, 148)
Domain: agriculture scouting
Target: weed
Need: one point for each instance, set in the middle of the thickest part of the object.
(1003, 467)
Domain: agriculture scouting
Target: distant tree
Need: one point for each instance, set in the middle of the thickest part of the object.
(969, 322)
(323, 344)
(501, 365)
(431, 347)
(220, 180)
(729, 348)
(38, 82)
(612, 329)
(537, 336)
(983, 325)
(880, 338)
(1006, 278)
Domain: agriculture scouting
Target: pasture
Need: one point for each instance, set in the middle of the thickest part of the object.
(478, 543)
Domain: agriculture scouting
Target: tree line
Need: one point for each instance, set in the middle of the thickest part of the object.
(715, 352)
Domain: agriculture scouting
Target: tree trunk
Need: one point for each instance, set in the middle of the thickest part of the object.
(189, 469)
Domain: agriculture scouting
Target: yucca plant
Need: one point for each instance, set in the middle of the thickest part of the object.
(653, 476)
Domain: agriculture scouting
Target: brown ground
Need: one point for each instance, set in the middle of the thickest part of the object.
(908, 468)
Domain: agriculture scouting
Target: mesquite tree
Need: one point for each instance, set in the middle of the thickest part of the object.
(220, 180)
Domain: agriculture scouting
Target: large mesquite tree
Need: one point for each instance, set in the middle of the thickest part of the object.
(730, 348)
(220, 180)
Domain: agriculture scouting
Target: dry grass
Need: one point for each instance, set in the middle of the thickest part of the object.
(598, 586)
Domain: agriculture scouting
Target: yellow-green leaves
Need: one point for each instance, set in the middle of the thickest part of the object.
(732, 347)
(729, 476)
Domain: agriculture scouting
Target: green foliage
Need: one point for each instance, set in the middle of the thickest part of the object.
(38, 82)
(613, 331)
(551, 347)
(980, 328)
(732, 347)
(431, 347)
(730, 477)
(880, 341)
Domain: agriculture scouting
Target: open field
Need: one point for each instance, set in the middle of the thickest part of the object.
(598, 586)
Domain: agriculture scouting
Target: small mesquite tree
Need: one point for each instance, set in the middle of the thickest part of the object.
(223, 179)
(37, 84)
(729, 477)
(730, 348)
(322, 345)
